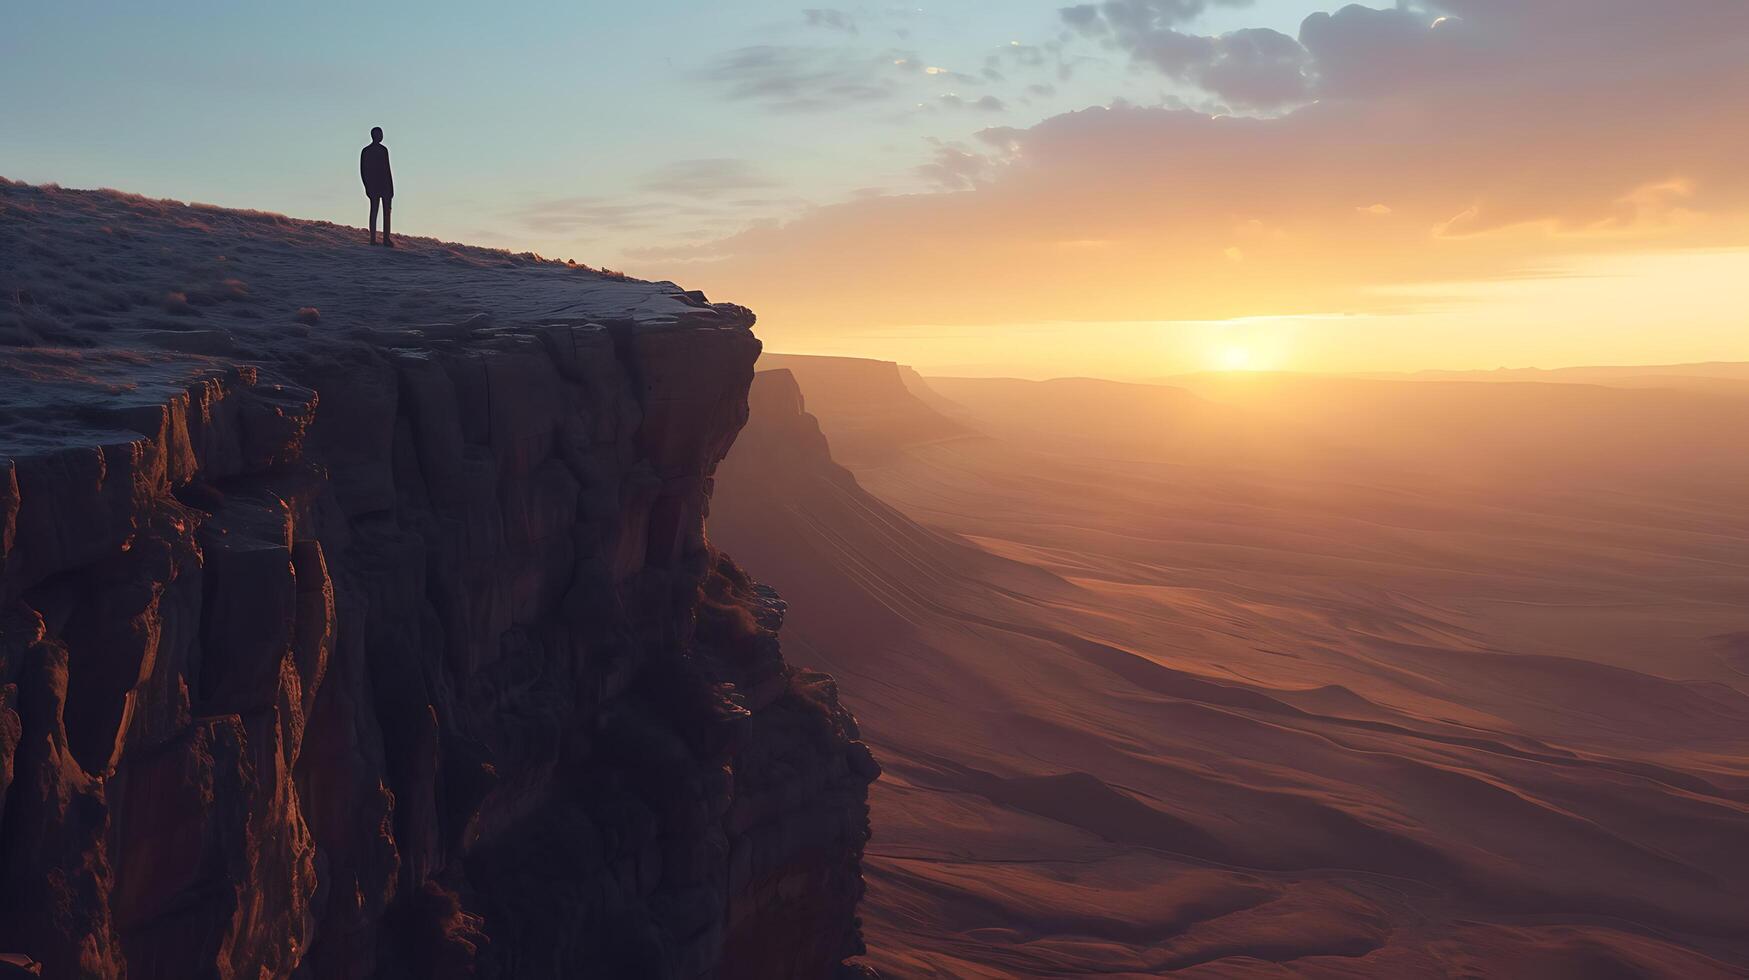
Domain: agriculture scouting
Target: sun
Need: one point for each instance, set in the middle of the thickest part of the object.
(1234, 359)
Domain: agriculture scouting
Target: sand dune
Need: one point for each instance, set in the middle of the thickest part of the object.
(1283, 677)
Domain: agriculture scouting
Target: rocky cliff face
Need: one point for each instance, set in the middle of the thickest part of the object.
(357, 618)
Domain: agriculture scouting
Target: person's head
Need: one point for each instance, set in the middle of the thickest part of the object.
(376, 134)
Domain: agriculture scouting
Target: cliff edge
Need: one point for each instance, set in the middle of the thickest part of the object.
(358, 619)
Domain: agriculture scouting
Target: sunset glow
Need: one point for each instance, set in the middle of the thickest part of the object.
(980, 489)
(1235, 359)
(1416, 187)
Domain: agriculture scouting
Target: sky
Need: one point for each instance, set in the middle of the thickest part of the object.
(1127, 188)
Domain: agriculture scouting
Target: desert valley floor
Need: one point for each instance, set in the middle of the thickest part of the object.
(1276, 676)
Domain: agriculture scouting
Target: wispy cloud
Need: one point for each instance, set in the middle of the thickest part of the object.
(708, 177)
(1462, 139)
(831, 19)
(708, 197)
(984, 103)
(801, 79)
(1141, 14)
(569, 215)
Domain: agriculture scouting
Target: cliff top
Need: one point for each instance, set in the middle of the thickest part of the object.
(108, 297)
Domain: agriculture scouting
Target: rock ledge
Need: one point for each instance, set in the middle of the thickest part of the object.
(357, 618)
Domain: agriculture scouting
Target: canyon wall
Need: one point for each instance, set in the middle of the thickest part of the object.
(393, 649)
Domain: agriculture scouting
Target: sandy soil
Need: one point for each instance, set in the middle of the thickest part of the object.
(1280, 676)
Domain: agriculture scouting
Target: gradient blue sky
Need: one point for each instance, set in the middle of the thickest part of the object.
(1128, 188)
(493, 110)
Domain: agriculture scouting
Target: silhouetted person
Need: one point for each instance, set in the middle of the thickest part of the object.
(379, 183)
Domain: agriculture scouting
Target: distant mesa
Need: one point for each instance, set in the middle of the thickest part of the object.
(875, 407)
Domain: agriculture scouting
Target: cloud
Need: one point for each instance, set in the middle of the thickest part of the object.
(1083, 17)
(708, 197)
(830, 19)
(799, 79)
(956, 168)
(708, 177)
(1360, 50)
(910, 64)
(987, 103)
(1255, 68)
(1509, 136)
(1024, 55)
(1140, 15)
(813, 79)
(570, 215)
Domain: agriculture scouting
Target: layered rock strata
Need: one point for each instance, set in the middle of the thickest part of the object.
(394, 647)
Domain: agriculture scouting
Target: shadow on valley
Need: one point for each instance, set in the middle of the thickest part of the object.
(1268, 676)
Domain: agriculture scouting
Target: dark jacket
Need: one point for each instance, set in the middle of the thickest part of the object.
(373, 166)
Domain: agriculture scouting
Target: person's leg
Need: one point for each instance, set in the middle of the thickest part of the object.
(388, 205)
(373, 221)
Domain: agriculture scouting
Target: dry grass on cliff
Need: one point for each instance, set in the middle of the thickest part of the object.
(107, 268)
